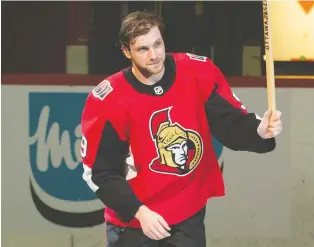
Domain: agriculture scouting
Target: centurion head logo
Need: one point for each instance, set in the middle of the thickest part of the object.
(179, 150)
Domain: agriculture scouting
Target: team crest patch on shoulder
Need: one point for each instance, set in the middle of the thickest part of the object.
(178, 150)
(102, 89)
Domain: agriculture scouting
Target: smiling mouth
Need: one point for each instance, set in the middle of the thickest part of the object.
(154, 63)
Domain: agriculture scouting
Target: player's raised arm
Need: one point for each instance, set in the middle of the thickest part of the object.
(104, 149)
(228, 119)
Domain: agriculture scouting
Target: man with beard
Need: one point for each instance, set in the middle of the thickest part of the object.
(160, 114)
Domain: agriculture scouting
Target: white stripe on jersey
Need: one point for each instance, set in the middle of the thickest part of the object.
(87, 176)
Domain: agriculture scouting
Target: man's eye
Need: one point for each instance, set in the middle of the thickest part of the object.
(158, 44)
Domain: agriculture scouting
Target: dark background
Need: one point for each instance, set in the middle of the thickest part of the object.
(35, 34)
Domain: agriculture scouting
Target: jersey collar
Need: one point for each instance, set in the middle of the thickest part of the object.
(160, 87)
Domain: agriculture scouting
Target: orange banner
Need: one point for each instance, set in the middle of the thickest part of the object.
(306, 6)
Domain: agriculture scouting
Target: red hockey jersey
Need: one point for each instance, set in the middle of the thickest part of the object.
(152, 145)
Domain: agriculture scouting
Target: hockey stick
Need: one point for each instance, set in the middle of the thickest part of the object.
(270, 73)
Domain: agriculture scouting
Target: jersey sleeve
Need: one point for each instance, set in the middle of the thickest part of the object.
(104, 149)
(228, 118)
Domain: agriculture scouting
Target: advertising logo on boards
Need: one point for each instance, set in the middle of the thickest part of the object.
(58, 191)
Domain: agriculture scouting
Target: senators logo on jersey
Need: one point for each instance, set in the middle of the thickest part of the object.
(179, 150)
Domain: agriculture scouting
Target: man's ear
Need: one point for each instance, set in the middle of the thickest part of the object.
(126, 52)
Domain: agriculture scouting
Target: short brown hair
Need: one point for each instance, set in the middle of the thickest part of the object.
(136, 24)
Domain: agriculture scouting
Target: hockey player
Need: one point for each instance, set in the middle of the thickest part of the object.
(147, 139)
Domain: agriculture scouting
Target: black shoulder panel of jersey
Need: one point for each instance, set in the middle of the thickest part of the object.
(233, 128)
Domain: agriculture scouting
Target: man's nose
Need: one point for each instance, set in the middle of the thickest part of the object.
(152, 54)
